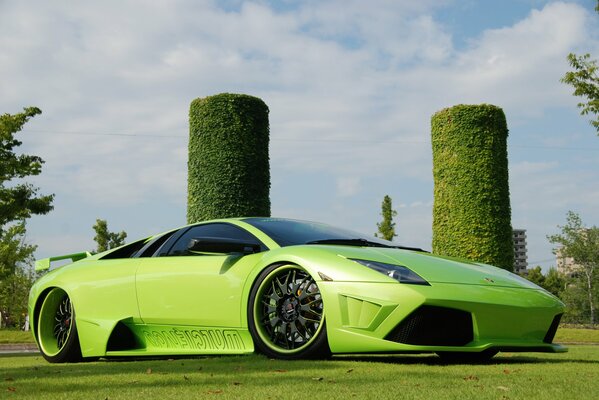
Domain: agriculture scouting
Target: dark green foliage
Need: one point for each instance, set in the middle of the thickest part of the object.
(471, 213)
(13, 249)
(105, 239)
(18, 201)
(554, 282)
(387, 226)
(535, 275)
(577, 304)
(228, 167)
(16, 277)
(14, 294)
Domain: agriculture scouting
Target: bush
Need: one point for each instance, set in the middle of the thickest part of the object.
(228, 168)
(471, 213)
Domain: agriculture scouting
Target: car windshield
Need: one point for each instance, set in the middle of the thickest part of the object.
(288, 232)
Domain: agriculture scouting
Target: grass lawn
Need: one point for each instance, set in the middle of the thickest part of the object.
(564, 335)
(576, 335)
(14, 336)
(509, 376)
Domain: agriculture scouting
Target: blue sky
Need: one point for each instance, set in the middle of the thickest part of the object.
(351, 87)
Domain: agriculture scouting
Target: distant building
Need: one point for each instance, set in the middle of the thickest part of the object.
(565, 265)
(520, 252)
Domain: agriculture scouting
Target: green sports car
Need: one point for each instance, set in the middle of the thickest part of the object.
(286, 288)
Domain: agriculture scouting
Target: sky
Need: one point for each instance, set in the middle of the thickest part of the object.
(351, 87)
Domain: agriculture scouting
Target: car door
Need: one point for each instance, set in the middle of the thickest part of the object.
(178, 287)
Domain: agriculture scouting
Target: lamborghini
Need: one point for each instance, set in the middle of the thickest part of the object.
(286, 288)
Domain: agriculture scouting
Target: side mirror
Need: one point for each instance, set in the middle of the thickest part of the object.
(222, 245)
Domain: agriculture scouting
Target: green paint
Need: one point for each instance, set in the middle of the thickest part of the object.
(199, 304)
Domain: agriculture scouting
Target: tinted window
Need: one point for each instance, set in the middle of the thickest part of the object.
(150, 247)
(288, 232)
(126, 251)
(218, 230)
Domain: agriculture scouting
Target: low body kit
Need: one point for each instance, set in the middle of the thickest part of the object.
(289, 289)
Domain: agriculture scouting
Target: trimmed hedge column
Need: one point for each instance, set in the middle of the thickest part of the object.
(471, 212)
(228, 167)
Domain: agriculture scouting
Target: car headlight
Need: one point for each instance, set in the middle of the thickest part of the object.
(398, 272)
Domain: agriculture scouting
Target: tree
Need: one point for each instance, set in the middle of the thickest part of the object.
(13, 249)
(387, 226)
(585, 81)
(16, 276)
(18, 201)
(535, 275)
(105, 239)
(228, 166)
(554, 283)
(577, 304)
(14, 294)
(471, 211)
(582, 244)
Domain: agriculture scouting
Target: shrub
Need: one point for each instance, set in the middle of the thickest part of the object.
(228, 167)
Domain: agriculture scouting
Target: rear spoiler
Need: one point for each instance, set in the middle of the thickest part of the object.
(44, 264)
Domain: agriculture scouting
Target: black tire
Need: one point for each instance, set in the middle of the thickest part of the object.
(286, 314)
(57, 330)
(467, 358)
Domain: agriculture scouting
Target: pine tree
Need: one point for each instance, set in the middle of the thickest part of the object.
(387, 226)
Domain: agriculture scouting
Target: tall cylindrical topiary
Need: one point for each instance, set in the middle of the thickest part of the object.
(228, 166)
(471, 212)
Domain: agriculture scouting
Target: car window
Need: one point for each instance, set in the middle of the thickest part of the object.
(216, 230)
(151, 246)
(126, 251)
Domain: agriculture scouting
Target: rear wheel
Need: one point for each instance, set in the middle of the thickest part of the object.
(467, 358)
(286, 314)
(57, 330)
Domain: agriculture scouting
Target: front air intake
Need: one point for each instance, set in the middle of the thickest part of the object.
(434, 326)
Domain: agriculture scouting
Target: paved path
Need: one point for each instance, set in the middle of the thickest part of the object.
(18, 348)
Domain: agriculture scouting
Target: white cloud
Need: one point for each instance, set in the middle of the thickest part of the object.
(348, 186)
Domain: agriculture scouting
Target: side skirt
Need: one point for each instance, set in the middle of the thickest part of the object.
(181, 340)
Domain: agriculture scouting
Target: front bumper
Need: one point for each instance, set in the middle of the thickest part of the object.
(361, 317)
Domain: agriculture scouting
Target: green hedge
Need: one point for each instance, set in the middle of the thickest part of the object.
(228, 167)
(471, 212)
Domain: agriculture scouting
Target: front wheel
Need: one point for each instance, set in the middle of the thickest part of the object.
(56, 329)
(286, 314)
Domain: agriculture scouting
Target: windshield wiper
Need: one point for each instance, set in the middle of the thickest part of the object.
(349, 242)
(362, 243)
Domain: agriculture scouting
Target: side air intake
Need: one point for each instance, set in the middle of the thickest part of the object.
(121, 339)
(552, 329)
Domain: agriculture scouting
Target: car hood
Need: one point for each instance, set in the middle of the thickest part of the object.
(437, 269)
